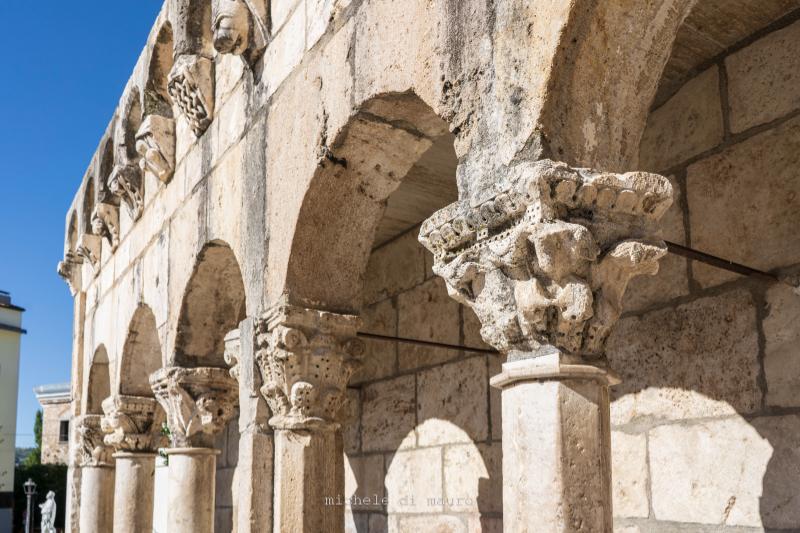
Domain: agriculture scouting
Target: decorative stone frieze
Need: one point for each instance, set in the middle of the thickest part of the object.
(126, 183)
(545, 262)
(191, 86)
(198, 403)
(105, 222)
(240, 27)
(89, 250)
(155, 143)
(130, 423)
(306, 358)
(91, 449)
(70, 271)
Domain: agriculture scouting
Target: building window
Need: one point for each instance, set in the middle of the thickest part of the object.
(63, 431)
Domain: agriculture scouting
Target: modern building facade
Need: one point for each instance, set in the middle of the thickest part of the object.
(443, 266)
(10, 336)
(55, 400)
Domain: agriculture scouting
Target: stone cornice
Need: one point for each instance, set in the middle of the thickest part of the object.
(306, 358)
(545, 262)
(198, 402)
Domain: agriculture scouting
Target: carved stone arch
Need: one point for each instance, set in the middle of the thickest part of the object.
(72, 235)
(141, 354)
(125, 181)
(157, 100)
(87, 204)
(99, 385)
(348, 194)
(214, 303)
(105, 215)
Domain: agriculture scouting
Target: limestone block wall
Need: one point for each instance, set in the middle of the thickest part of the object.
(423, 441)
(707, 421)
(53, 450)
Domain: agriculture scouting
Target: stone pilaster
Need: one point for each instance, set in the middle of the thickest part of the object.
(94, 458)
(544, 263)
(132, 427)
(198, 403)
(306, 358)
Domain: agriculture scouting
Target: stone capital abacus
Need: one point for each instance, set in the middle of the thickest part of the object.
(198, 403)
(91, 449)
(544, 262)
(306, 358)
(131, 424)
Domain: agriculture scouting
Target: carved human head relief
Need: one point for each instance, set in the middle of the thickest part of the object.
(231, 25)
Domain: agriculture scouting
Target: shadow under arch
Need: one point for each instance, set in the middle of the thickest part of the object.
(141, 354)
(98, 387)
(348, 194)
(214, 303)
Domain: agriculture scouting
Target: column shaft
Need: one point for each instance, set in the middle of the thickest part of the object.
(309, 481)
(133, 492)
(192, 481)
(96, 499)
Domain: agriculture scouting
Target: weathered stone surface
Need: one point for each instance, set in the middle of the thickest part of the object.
(394, 268)
(743, 203)
(456, 393)
(473, 478)
(696, 360)
(782, 349)
(762, 79)
(434, 524)
(779, 504)
(710, 473)
(688, 124)
(389, 414)
(427, 313)
(380, 356)
(364, 482)
(629, 474)
(414, 482)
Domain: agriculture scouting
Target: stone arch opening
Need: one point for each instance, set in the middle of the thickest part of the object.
(213, 305)
(72, 233)
(87, 205)
(141, 355)
(157, 100)
(346, 200)
(105, 167)
(99, 385)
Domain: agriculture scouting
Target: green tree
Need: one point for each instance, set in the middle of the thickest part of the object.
(35, 457)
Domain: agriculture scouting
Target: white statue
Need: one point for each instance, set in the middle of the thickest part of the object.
(48, 509)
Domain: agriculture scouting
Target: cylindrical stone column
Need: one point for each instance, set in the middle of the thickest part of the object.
(192, 481)
(556, 446)
(133, 492)
(97, 499)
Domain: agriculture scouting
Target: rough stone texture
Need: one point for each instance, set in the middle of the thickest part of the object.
(97, 499)
(688, 124)
(699, 359)
(629, 474)
(388, 414)
(380, 357)
(414, 482)
(191, 490)
(394, 268)
(133, 492)
(782, 349)
(473, 480)
(763, 80)
(742, 203)
(54, 451)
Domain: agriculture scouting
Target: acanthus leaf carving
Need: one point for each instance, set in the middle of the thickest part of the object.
(306, 358)
(126, 183)
(132, 423)
(91, 449)
(105, 222)
(155, 143)
(191, 86)
(544, 262)
(198, 403)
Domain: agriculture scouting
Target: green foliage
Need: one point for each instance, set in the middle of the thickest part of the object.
(21, 453)
(35, 457)
(46, 477)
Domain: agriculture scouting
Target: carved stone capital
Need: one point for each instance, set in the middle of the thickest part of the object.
(306, 358)
(130, 423)
(155, 143)
(105, 222)
(91, 449)
(126, 183)
(240, 27)
(89, 250)
(191, 86)
(198, 403)
(69, 269)
(545, 261)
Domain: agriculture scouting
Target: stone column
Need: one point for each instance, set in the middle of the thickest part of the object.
(544, 263)
(132, 427)
(97, 477)
(306, 358)
(198, 403)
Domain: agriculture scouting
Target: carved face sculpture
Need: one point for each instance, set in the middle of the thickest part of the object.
(231, 24)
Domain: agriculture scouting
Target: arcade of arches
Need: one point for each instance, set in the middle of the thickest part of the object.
(381, 265)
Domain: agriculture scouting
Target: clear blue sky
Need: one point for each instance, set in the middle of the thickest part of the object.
(64, 67)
